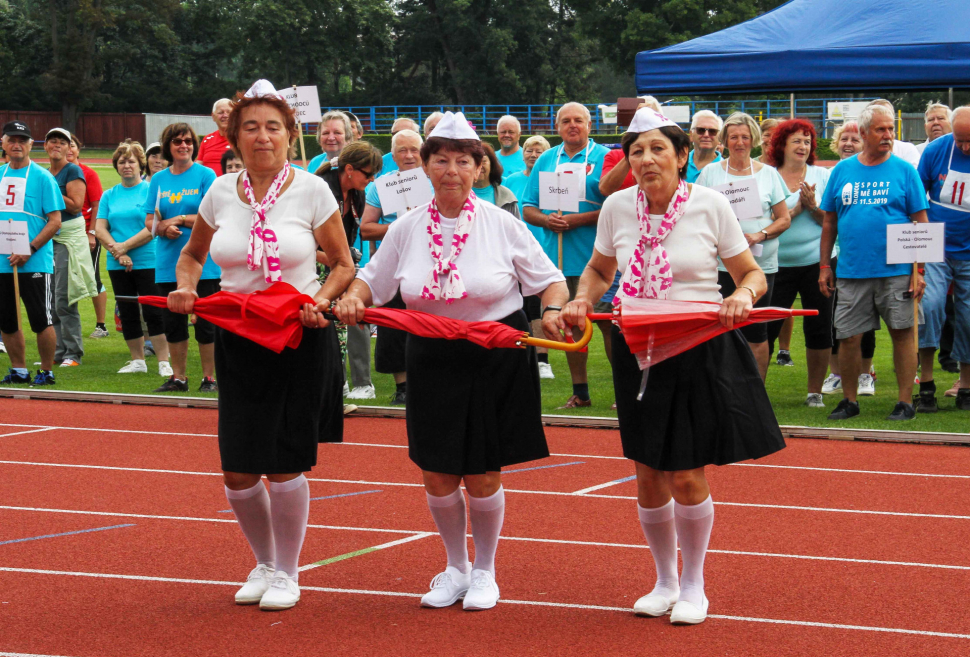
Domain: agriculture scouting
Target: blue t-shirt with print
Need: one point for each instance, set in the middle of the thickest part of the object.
(940, 157)
(124, 210)
(510, 163)
(42, 197)
(577, 244)
(176, 195)
(866, 199)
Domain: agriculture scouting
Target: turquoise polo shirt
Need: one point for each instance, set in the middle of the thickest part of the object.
(510, 163)
(692, 170)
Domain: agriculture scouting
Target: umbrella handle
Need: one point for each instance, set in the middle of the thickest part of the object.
(562, 346)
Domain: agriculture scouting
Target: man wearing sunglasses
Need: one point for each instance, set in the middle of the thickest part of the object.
(704, 129)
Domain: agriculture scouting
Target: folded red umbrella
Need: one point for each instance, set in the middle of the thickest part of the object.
(657, 329)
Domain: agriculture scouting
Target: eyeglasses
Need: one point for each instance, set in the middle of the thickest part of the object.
(706, 131)
(188, 141)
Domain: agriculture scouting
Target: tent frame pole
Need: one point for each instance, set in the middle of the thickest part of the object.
(792, 106)
(950, 98)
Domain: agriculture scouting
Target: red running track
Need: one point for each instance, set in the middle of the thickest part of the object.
(834, 548)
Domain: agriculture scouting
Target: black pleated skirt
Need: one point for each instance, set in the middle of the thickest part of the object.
(275, 408)
(706, 406)
(473, 410)
(390, 345)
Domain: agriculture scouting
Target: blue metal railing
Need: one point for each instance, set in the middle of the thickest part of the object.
(540, 119)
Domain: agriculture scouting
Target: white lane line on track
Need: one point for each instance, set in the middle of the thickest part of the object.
(555, 541)
(785, 507)
(532, 603)
(20, 433)
(25, 654)
(585, 456)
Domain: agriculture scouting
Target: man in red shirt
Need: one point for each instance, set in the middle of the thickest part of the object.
(215, 144)
(92, 198)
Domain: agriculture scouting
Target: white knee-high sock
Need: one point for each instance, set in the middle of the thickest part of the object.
(694, 531)
(661, 534)
(487, 515)
(449, 516)
(290, 511)
(251, 507)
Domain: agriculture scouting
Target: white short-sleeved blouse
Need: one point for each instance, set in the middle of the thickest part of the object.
(707, 230)
(500, 255)
(302, 208)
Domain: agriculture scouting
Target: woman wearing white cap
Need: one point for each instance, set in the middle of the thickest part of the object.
(470, 410)
(706, 406)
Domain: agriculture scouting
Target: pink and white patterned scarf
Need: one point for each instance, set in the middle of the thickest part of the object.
(264, 249)
(444, 281)
(650, 277)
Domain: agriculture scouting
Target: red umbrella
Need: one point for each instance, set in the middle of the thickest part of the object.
(657, 329)
(271, 318)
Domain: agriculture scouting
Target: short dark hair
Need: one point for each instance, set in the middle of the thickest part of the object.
(242, 102)
(494, 166)
(678, 138)
(472, 147)
(177, 130)
(228, 155)
(784, 130)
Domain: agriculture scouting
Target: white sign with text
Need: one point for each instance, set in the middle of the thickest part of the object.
(559, 191)
(906, 243)
(403, 190)
(305, 102)
(744, 197)
(14, 239)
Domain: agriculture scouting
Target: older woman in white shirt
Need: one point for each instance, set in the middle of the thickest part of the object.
(706, 406)
(470, 410)
(262, 226)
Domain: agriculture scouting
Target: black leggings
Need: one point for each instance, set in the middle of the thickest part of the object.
(137, 282)
(791, 282)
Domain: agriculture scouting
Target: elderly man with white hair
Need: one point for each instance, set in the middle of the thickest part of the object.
(945, 170)
(936, 123)
(902, 149)
(704, 130)
(215, 143)
(509, 132)
(578, 154)
(865, 194)
(431, 121)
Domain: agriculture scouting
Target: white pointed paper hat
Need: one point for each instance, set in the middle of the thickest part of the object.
(647, 119)
(261, 88)
(454, 126)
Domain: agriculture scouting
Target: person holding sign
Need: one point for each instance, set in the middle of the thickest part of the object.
(706, 406)
(865, 194)
(471, 411)
(28, 195)
(757, 194)
(214, 145)
(793, 150)
(575, 231)
(945, 172)
(263, 226)
(509, 131)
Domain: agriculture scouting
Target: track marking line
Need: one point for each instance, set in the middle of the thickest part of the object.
(368, 550)
(25, 654)
(20, 433)
(585, 491)
(543, 467)
(80, 531)
(148, 433)
(555, 541)
(328, 497)
(533, 603)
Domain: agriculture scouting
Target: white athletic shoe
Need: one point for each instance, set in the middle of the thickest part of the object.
(814, 400)
(165, 369)
(655, 604)
(447, 588)
(3, 349)
(282, 593)
(831, 384)
(256, 585)
(362, 392)
(346, 389)
(687, 613)
(69, 362)
(483, 593)
(134, 367)
(545, 371)
(867, 385)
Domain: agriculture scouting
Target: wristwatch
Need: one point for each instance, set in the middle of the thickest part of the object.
(767, 236)
(548, 308)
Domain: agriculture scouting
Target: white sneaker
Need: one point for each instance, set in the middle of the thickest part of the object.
(256, 585)
(447, 588)
(545, 371)
(282, 593)
(346, 389)
(362, 392)
(687, 613)
(814, 400)
(831, 384)
(69, 362)
(483, 593)
(3, 349)
(134, 367)
(165, 369)
(867, 386)
(655, 603)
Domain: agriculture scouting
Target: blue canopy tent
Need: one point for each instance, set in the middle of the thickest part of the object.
(821, 45)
